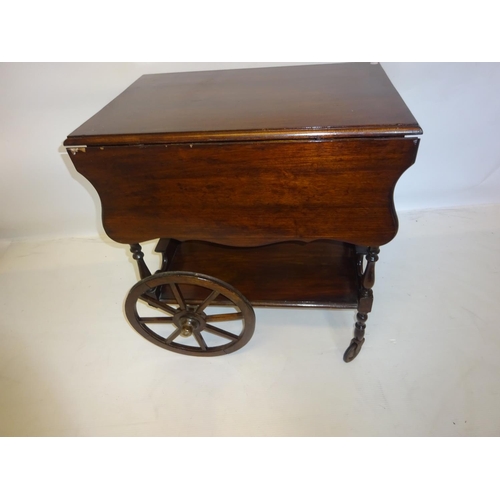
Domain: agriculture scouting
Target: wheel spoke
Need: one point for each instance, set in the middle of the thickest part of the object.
(214, 318)
(221, 333)
(200, 340)
(173, 336)
(158, 304)
(207, 301)
(178, 295)
(161, 319)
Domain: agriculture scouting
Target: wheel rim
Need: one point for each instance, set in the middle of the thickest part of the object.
(192, 327)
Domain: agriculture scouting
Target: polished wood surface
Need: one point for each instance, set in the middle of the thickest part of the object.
(249, 194)
(297, 102)
(318, 274)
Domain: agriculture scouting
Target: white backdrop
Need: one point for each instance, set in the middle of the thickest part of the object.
(41, 195)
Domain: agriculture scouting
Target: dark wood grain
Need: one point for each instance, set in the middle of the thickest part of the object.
(318, 274)
(297, 102)
(248, 194)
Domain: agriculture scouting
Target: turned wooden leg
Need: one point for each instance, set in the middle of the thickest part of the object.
(138, 256)
(365, 300)
(360, 326)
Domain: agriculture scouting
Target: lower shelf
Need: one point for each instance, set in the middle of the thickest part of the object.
(291, 274)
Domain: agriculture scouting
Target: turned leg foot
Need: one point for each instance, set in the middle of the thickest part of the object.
(359, 338)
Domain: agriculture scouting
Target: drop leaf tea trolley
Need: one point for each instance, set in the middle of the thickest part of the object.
(265, 187)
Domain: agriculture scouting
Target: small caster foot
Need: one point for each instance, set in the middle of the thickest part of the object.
(353, 349)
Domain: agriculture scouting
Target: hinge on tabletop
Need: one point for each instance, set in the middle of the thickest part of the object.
(75, 149)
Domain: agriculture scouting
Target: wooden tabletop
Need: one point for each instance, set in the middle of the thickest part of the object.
(295, 102)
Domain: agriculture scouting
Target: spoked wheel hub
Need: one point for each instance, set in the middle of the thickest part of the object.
(189, 321)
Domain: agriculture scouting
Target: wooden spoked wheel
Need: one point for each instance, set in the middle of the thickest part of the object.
(183, 320)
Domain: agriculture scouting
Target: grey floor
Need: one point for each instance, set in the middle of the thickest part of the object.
(70, 365)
